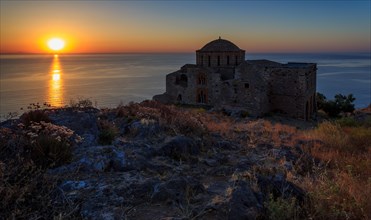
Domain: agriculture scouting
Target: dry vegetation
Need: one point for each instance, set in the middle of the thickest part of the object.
(338, 186)
(342, 189)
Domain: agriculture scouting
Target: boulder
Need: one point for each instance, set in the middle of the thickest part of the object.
(243, 203)
(180, 147)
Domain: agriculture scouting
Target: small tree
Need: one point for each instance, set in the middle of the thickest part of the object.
(345, 103)
(333, 108)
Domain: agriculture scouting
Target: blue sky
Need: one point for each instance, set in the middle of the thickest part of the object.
(161, 26)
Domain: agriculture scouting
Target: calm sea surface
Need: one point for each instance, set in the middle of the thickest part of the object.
(111, 79)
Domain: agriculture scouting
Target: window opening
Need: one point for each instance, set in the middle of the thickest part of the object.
(183, 81)
(201, 96)
(201, 79)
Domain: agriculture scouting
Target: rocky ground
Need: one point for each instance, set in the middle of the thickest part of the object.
(192, 165)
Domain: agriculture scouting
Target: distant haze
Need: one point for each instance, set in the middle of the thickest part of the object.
(173, 26)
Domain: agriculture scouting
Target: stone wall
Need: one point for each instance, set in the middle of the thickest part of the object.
(292, 90)
(258, 87)
(192, 85)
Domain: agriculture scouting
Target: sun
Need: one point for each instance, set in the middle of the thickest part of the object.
(56, 44)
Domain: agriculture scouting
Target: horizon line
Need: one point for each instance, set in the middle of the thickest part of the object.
(173, 52)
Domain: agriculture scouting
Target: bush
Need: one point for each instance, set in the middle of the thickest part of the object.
(49, 145)
(333, 108)
(108, 132)
(81, 103)
(34, 116)
(26, 192)
(281, 208)
(347, 122)
(50, 152)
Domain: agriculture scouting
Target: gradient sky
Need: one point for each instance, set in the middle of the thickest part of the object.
(185, 26)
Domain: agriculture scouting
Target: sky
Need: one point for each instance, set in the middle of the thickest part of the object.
(185, 26)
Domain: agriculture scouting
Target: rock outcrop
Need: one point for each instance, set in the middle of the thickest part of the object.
(150, 172)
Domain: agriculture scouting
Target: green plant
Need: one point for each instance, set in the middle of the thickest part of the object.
(281, 208)
(108, 132)
(348, 122)
(333, 108)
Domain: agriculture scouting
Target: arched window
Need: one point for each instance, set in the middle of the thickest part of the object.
(228, 60)
(179, 98)
(209, 62)
(236, 60)
(201, 79)
(218, 60)
(202, 96)
(202, 60)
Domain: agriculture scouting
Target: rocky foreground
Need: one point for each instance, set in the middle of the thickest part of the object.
(165, 162)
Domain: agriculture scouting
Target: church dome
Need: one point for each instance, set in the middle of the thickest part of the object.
(220, 45)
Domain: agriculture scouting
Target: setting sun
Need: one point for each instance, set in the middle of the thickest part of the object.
(56, 44)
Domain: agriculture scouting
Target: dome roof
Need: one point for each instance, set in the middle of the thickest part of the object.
(219, 45)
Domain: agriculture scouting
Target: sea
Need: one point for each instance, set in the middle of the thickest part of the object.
(109, 80)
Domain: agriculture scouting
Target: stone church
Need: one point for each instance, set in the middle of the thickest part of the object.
(222, 78)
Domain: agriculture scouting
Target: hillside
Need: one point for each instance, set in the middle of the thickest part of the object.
(153, 161)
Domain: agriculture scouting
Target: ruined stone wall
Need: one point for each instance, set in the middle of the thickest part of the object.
(219, 59)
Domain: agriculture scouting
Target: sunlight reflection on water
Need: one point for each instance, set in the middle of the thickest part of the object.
(55, 84)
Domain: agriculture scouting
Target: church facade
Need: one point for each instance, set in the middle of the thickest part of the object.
(222, 78)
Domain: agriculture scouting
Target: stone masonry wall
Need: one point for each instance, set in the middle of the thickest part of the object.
(291, 89)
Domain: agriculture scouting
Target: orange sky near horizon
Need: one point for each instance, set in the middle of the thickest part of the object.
(114, 27)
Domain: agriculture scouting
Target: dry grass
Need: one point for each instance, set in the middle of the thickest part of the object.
(342, 189)
(173, 119)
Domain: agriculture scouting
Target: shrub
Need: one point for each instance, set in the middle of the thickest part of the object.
(49, 145)
(281, 208)
(108, 132)
(50, 152)
(333, 108)
(81, 103)
(347, 122)
(26, 192)
(34, 116)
